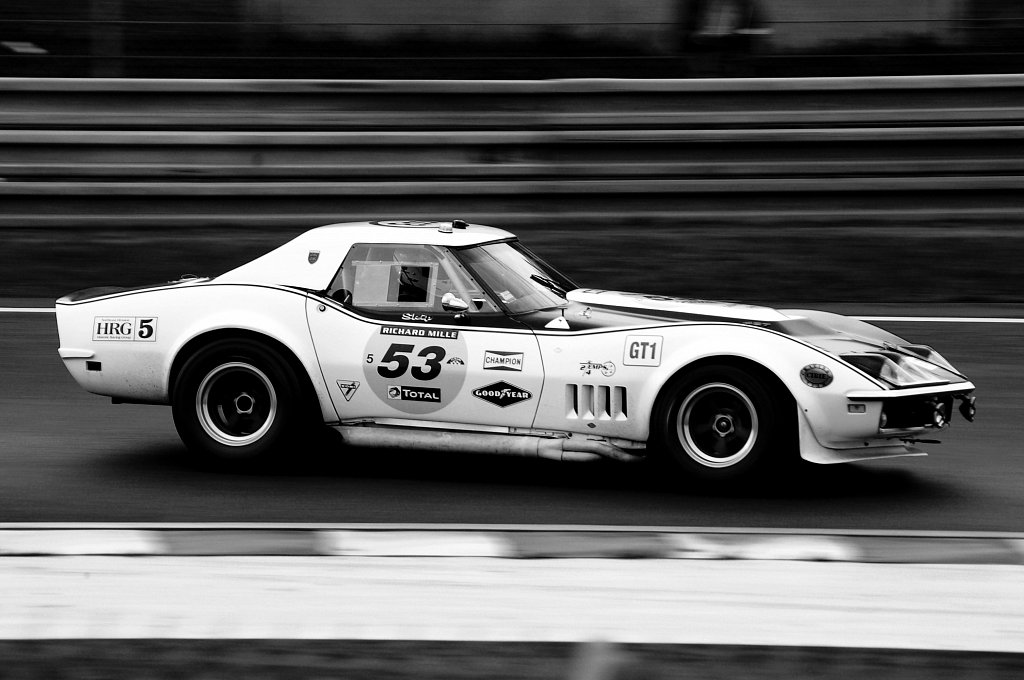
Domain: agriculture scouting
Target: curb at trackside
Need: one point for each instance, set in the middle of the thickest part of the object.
(532, 544)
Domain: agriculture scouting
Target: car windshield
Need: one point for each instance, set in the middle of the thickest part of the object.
(520, 280)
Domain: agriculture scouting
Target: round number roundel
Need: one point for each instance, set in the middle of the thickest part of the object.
(415, 370)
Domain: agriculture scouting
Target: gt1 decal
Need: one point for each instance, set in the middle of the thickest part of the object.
(348, 388)
(124, 328)
(642, 350)
(420, 332)
(503, 361)
(816, 375)
(413, 374)
(502, 394)
(405, 393)
(588, 367)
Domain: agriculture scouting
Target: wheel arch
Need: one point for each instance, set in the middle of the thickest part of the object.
(197, 343)
(762, 373)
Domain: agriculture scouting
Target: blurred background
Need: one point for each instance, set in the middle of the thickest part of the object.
(680, 138)
(488, 39)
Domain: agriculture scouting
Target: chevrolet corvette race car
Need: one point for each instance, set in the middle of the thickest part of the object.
(453, 336)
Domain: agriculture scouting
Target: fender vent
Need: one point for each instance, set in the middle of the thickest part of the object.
(595, 402)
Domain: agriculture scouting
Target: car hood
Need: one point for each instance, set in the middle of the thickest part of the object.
(831, 332)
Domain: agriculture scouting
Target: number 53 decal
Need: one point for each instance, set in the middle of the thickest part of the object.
(396, 362)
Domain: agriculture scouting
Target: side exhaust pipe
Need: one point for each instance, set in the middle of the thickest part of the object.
(571, 448)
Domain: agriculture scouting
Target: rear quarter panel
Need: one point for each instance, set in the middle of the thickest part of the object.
(139, 368)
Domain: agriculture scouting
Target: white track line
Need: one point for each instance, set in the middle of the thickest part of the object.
(912, 319)
(535, 528)
(941, 319)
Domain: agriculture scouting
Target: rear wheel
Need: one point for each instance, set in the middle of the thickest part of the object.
(237, 400)
(720, 424)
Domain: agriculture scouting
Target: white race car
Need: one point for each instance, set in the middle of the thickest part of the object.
(453, 336)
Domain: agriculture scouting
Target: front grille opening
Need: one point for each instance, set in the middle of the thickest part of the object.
(914, 412)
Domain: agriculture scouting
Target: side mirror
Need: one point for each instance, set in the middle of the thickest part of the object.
(450, 302)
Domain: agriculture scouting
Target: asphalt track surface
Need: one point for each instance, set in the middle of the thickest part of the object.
(68, 456)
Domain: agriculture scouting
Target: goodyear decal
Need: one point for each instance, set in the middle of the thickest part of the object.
(502, 394)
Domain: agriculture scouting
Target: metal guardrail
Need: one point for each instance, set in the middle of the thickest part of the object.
(167, 152)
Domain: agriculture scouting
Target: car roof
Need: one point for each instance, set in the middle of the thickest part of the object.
(311, 259)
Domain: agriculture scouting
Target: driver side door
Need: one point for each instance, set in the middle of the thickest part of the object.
(405, 334)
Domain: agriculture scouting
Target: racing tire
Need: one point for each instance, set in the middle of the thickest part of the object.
(720, 424)
(237, 401)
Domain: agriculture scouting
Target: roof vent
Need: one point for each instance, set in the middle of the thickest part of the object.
(460, 224)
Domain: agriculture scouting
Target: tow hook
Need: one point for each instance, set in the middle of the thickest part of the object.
(967, 407)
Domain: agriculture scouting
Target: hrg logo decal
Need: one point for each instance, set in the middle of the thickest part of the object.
(502, 394)
(124, 328)
(503, 361)
(642, 350)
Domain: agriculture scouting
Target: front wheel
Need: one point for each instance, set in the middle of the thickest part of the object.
(236, 400)
(719, 424)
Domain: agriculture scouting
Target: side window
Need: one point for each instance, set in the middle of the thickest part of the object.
(390, 278)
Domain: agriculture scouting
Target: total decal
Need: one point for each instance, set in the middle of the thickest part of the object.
(406, 393)
(124, 328)
(415, 370)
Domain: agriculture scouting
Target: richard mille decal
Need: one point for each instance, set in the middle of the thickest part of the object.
(816, 375)
(588, 367)
(503, 361)
(348, 388)
(502, 394)
(404, 393)
(420, 332)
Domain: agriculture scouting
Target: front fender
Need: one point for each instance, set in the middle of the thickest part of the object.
(823, 406)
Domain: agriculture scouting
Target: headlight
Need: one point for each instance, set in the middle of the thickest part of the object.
(901, 370)
(929, 355)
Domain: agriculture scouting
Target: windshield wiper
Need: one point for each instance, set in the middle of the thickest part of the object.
(549, 284)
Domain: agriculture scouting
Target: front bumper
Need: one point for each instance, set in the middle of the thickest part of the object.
(893, 421)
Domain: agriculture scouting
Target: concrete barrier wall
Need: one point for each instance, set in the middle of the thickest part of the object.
(170, 152)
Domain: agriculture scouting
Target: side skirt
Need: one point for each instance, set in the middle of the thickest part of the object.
(562, 446)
